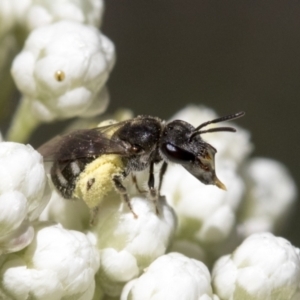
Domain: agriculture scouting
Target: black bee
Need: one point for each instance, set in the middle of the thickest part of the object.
(88, 163)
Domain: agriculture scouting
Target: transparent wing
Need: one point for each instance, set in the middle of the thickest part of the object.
(84, 143)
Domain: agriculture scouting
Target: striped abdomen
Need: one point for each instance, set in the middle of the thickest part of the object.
(64, 175)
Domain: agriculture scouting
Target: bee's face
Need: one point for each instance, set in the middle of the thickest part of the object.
(195, 155)
(203, 167)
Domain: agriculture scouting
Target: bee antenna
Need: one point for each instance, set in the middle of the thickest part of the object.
(221, 119)
(230, 129)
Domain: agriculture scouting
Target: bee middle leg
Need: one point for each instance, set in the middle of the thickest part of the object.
(117, 179)
(134, 179)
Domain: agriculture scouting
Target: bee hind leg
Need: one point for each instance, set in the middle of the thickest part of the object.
(134, 179)
(93, 215)
(117, 179)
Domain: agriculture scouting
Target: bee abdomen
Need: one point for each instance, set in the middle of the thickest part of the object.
(64, 175)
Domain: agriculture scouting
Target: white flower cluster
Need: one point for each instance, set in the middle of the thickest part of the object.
(266, 208)
(30, 14)
(64, 64)
(50, 249)
(126, 256)
(263, 267)
(213, 221)
(62, 69)
(19, 17)
(58, 264)
(172, 276)
(37, 13)
(24, 193)
(127, 245)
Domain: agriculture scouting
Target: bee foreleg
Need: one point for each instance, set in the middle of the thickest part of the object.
(151, 182)
(117, 179)
(162, 172)
(151, 185)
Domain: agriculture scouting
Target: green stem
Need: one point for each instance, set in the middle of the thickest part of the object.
(23, 123)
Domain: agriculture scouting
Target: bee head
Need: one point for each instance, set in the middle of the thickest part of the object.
(182, 143)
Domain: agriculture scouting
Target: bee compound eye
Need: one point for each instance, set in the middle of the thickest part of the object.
(177, 154)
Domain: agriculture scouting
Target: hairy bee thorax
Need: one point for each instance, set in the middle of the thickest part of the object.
(143, 135)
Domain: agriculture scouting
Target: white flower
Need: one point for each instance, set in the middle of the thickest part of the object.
(43, 12)
(172, 276)
(127, 244)
(62, 69)
(58, 264)
(205, 213)
(71, 214)
(61, 72)
(30, 14)
(263, 267)
(24, 193)
(259, 194)
(99, 106)
(270, 195)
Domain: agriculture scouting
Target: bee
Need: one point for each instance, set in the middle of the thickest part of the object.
(89, 163)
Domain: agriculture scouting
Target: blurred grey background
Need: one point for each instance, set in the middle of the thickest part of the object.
(228, 55)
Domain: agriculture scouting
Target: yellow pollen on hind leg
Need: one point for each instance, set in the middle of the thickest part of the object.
(95, 181)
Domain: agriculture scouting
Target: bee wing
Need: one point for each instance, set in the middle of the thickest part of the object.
(49, 149)
(84, 143)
